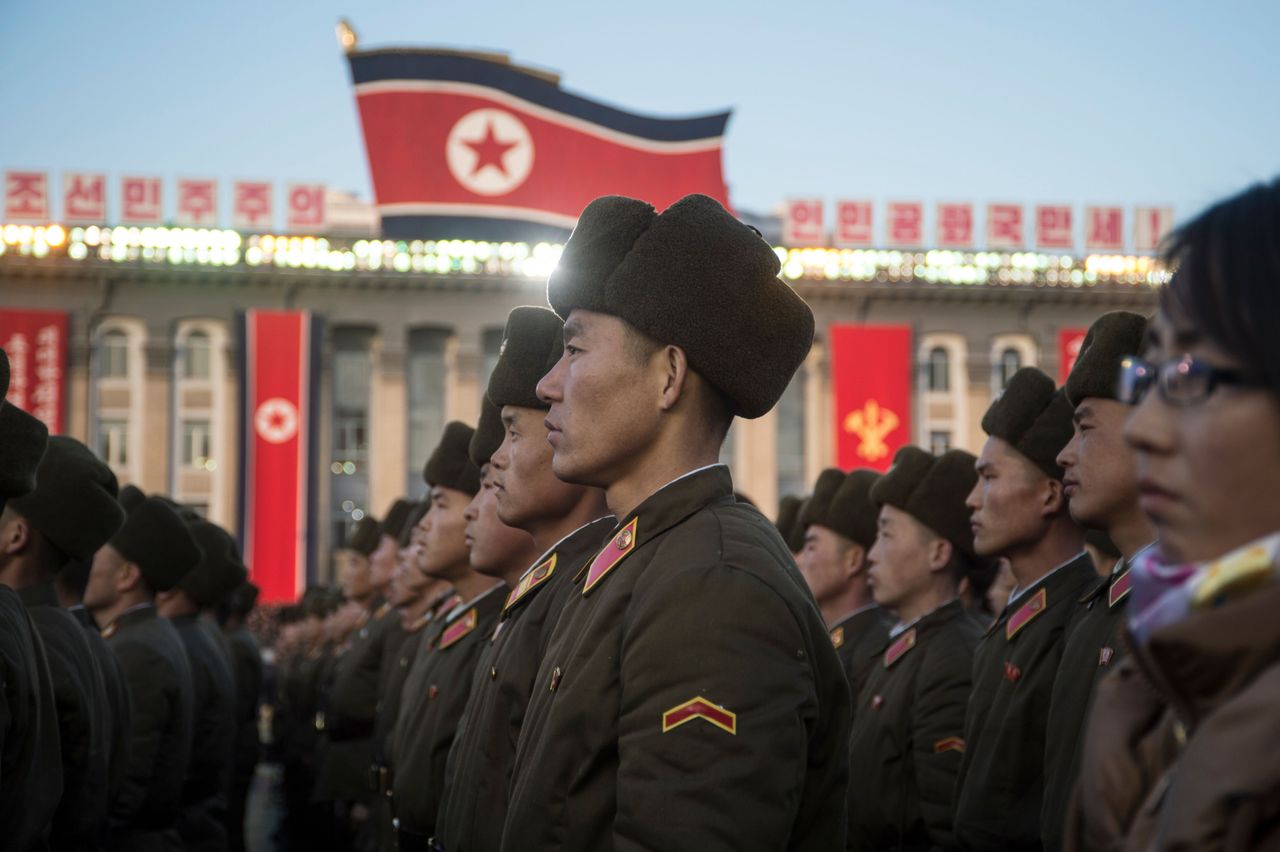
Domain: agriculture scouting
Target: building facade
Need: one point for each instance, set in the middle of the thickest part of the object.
(412, 330)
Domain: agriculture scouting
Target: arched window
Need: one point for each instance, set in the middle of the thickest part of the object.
(195, 356)
(1010, 363)
(939, 377)
(113, 355)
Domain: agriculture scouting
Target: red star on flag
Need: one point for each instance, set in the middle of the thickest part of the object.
(490, 151)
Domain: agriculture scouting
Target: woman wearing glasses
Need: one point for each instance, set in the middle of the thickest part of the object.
(1183, 744)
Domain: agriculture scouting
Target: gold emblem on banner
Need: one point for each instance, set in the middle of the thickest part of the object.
(871, 424)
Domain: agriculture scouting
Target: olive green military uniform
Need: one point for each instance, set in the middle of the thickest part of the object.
(117, 718)
(430, 708)
(858, 639)
(480, 762)
(83, 719)
(246, 666)
(1093, 647)
(352, 707)
(690, 697)
(30, 753)
(1001, 784)
(201, 819)
(161, 694)
(908, 734)
(388, 710)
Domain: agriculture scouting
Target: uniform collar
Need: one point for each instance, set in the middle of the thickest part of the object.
(41, 594)
(665, 508)
(135, 614)
(1018, 594)
(927, 617)
(844, 619)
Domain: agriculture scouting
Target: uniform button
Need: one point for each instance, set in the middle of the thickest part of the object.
(555, 678)
(493, 673)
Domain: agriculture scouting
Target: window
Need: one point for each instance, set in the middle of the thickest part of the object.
(195, 445)
(939, 370)
(113, 355)
(113, 442)
(491, 343)
(195, 356)
(425, 380)
(939, 442)
(790, 437)
(352, 369)
(1010, 363)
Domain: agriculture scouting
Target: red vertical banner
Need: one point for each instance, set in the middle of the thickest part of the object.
(275, 475)
(36, 343)
(1069, 342)
(871, 379)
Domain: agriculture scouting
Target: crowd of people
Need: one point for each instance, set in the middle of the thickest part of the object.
(583, 639)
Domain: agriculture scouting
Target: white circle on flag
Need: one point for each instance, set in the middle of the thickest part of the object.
(489, 152)
(276, 420)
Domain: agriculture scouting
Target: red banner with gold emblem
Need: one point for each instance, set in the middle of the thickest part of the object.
(276, 465)
(1069, 342)
(871, 378)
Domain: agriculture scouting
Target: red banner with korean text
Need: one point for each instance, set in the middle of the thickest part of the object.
(871, 377)
(36, 343)
(1069, 342)
(275, 475)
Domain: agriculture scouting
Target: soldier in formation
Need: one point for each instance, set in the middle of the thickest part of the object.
(583, 639)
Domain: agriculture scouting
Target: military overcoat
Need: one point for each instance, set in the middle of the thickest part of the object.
(478, 771)
(1000, 789)
(690, 697)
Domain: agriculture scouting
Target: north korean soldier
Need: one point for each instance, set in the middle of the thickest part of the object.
(70, 583)
(568, 524)
(30, 753)
(359, 673)
(1102, 490)
(1019, 513)
(202, 815)
(788, 516)
(439, 679)
(70, 514)
(840, 527)
(298, 712)
(151, 553)
(794, 536)
(690, 696)
(414, 596)
(246, 665)
(908, 725)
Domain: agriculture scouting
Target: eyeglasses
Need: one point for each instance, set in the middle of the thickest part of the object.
(1185, 381)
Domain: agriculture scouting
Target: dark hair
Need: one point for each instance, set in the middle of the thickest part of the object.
(1226, 282)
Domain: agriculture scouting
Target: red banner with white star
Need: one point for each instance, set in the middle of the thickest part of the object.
(275, 472)
(871, 378)
(464, 146)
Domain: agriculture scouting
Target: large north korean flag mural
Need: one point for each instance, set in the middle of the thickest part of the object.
(463, 146)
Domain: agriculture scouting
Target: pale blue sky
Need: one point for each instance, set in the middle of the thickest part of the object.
(1079, 101)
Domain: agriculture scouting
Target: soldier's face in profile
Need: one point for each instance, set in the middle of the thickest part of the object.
(444, 543)
(496, 549)
(101, 592)
(900, 559)
(525, 487)
(1012, 502)
(604, 397)
(828, 562)
(407, 582)
(1100, 478)
(353, 576)
(382, 562)
(1207, 471)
